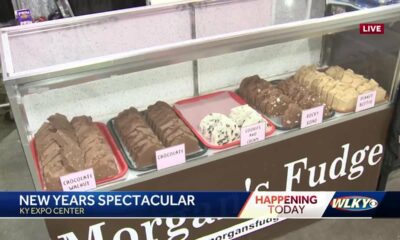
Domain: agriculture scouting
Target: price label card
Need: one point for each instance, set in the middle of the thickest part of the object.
(79, 181)
(252, 134)
(311, 117)
(366, 101)
(169, 157)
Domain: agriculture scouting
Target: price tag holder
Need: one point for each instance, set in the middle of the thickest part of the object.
(366, 101)
(172, 156)
(311, 117)
(79, 181)
(252, 134)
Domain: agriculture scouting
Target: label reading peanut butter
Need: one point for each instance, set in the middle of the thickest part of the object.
(366, 101)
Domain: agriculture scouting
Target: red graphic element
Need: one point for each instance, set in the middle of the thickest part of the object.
(372, 28)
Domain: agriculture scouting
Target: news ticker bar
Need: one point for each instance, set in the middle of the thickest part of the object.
(199, 204)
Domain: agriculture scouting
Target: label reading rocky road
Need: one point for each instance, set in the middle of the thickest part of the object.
(311, 117)
(366, 101)
(252, 134)
(79, 181)
(172, 156)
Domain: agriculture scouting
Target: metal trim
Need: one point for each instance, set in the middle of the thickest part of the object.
(396, 80)
(309, 6)
(195, 64)
(273, 12)
(8, 66)
(4, 105)
(211, 46)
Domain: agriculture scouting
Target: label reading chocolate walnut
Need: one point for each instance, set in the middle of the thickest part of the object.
(79, 181)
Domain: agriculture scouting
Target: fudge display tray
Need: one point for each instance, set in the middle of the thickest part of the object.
(119, 160)
(333, 111)
(131, 161)
(193, 110)
(323, 69)
(386, 100)
(278, 120)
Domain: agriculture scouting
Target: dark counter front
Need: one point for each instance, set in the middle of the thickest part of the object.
(344, 157)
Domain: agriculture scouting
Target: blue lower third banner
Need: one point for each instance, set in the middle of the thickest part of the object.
(200, 204)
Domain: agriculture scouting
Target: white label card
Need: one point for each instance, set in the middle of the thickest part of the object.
(252, 134)
(311, 117)
(366, 101)
(79, 181)
(172, 156)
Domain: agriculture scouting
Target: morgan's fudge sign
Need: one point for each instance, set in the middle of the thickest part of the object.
(343, 157)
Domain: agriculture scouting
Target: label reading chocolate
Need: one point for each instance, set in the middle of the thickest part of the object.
(311, 117)
(172, 156)
(366, 101)
(252, 134)
(79, 181)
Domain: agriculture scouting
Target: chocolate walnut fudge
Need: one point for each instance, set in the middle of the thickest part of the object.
(65, 147)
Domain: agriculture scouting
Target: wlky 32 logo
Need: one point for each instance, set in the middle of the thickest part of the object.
(354, 203)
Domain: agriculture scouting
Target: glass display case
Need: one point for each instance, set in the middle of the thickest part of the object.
(255, 52)
(102, 64)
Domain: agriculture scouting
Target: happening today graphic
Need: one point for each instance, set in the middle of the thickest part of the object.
(286, 204)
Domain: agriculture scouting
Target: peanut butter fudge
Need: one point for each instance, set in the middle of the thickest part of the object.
(337, 87)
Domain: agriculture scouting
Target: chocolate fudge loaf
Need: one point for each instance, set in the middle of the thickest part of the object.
(98, 154)
(170, 129)
(51, 159)
(65, 147)
(138, 137)
(66, 138)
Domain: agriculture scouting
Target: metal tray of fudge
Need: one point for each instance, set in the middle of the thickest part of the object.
(131, 161)
(277, 120)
